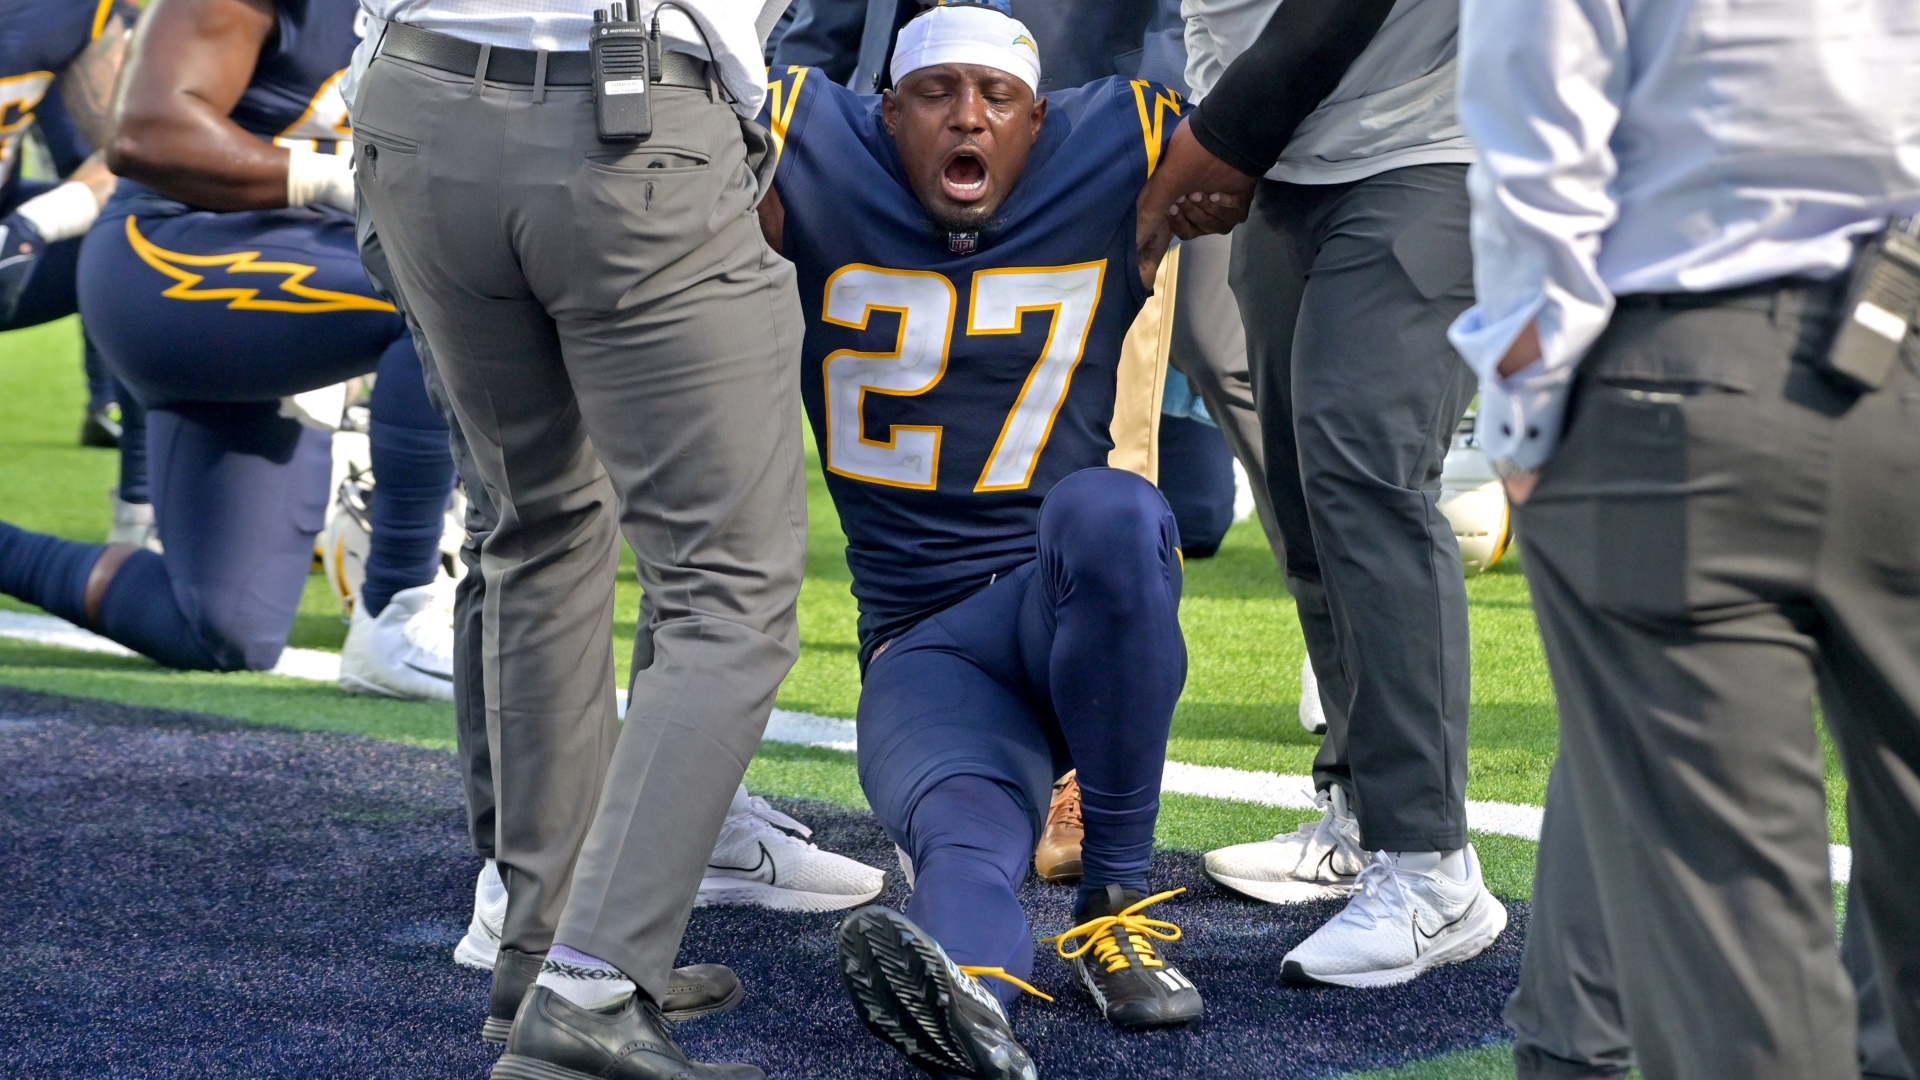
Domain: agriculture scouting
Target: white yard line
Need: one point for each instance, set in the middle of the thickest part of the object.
(832, 733)
(315, 664)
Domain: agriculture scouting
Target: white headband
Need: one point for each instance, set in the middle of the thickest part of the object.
(967, 35)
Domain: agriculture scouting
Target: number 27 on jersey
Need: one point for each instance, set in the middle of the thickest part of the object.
(909, 457)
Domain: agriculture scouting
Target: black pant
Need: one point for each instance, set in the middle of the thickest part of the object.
(1722, 535)
(1346, 291)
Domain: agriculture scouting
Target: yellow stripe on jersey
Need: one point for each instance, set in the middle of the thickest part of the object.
(172, 263)
(1152, 125)
(100, 15)
(780, 105)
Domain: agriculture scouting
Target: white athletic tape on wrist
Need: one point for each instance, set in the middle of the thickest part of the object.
(315, 179)
(63, 213)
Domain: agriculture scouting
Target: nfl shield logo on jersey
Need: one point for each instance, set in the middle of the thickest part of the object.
(963, 243)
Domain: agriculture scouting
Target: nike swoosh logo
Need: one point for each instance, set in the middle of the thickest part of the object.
(1422, 938)
(766, 860)
(424, 671)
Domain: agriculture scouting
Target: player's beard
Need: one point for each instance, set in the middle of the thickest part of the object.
(963, 219)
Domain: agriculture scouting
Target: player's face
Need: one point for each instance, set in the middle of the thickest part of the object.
(963, 132)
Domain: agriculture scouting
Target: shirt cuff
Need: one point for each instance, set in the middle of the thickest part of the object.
(1520, 416)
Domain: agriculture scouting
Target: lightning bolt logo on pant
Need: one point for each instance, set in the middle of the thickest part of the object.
(187, 282)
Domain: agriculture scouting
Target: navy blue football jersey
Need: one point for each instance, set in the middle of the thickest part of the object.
(294, 98)
(948, 390)
(38, 39)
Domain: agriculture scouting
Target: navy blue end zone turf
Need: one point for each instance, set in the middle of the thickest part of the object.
(189, 897)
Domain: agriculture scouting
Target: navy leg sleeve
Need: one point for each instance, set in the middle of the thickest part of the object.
(1196, 476)
(99, 379)
(239, 492)
(971, 842)
(1115, 660)
(133, 444)
(413, 475)
(47, 571)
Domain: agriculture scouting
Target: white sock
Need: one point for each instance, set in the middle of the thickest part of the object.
(1451, 863)
(587, 981)
(491, 887)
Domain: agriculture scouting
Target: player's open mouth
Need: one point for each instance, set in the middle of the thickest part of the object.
(964, 179)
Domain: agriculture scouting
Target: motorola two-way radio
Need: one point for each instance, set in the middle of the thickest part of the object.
(625, 58)
(1881, 310)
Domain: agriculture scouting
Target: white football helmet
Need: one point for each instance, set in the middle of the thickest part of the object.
(342, 546)
(1475, 502)
(349, 533)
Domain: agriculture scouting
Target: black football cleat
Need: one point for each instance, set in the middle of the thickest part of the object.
(692, 992)
(554, 1039)
(99, 429)
(1112, 953)
(917, 1000)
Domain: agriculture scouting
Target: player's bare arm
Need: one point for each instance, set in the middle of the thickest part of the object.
(1205, 184)
(86, 86)
(1192, 193)
(189, 63)
(773, 220)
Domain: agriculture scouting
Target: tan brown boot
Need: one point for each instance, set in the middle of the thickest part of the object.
(1058, 857)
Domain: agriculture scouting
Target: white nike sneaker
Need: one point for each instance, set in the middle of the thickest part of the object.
(762, 858)
(407, 652)
(1313, 711)
(1317, 861)
(1410, 912)
(482, 944)
(133, 523)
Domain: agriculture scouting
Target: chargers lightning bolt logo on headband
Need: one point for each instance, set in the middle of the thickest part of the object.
(1004, 7)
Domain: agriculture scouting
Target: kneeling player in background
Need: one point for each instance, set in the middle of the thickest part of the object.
(966, 266)
(58, 63)
(222, 279)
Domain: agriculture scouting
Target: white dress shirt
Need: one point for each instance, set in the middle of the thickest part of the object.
(1393, 108)
(737, 28)
(1643, 146)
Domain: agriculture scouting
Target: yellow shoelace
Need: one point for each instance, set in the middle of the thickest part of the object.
(1101, 935)
(1001, 973)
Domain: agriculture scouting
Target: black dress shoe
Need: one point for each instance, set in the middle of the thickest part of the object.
(692, 992)
(554, 1039)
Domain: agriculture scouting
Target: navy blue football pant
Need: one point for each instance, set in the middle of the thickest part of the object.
(211, 319)
(1074, 660)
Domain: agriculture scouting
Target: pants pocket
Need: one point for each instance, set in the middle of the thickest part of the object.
(1610, 511)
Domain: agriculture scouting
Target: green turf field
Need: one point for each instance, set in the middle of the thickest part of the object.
(1238, 709)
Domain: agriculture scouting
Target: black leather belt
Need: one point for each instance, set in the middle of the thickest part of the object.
(522, 65)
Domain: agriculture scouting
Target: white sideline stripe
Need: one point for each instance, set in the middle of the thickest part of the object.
(1235, 785)
(808, 729)
(315, 664)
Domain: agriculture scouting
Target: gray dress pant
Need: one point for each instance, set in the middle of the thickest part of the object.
(1722, 536)
(1209, 347)
(622, 351)
(1346, 292)
(469, 596)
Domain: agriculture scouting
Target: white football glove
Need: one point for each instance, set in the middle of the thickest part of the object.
(315, 179)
